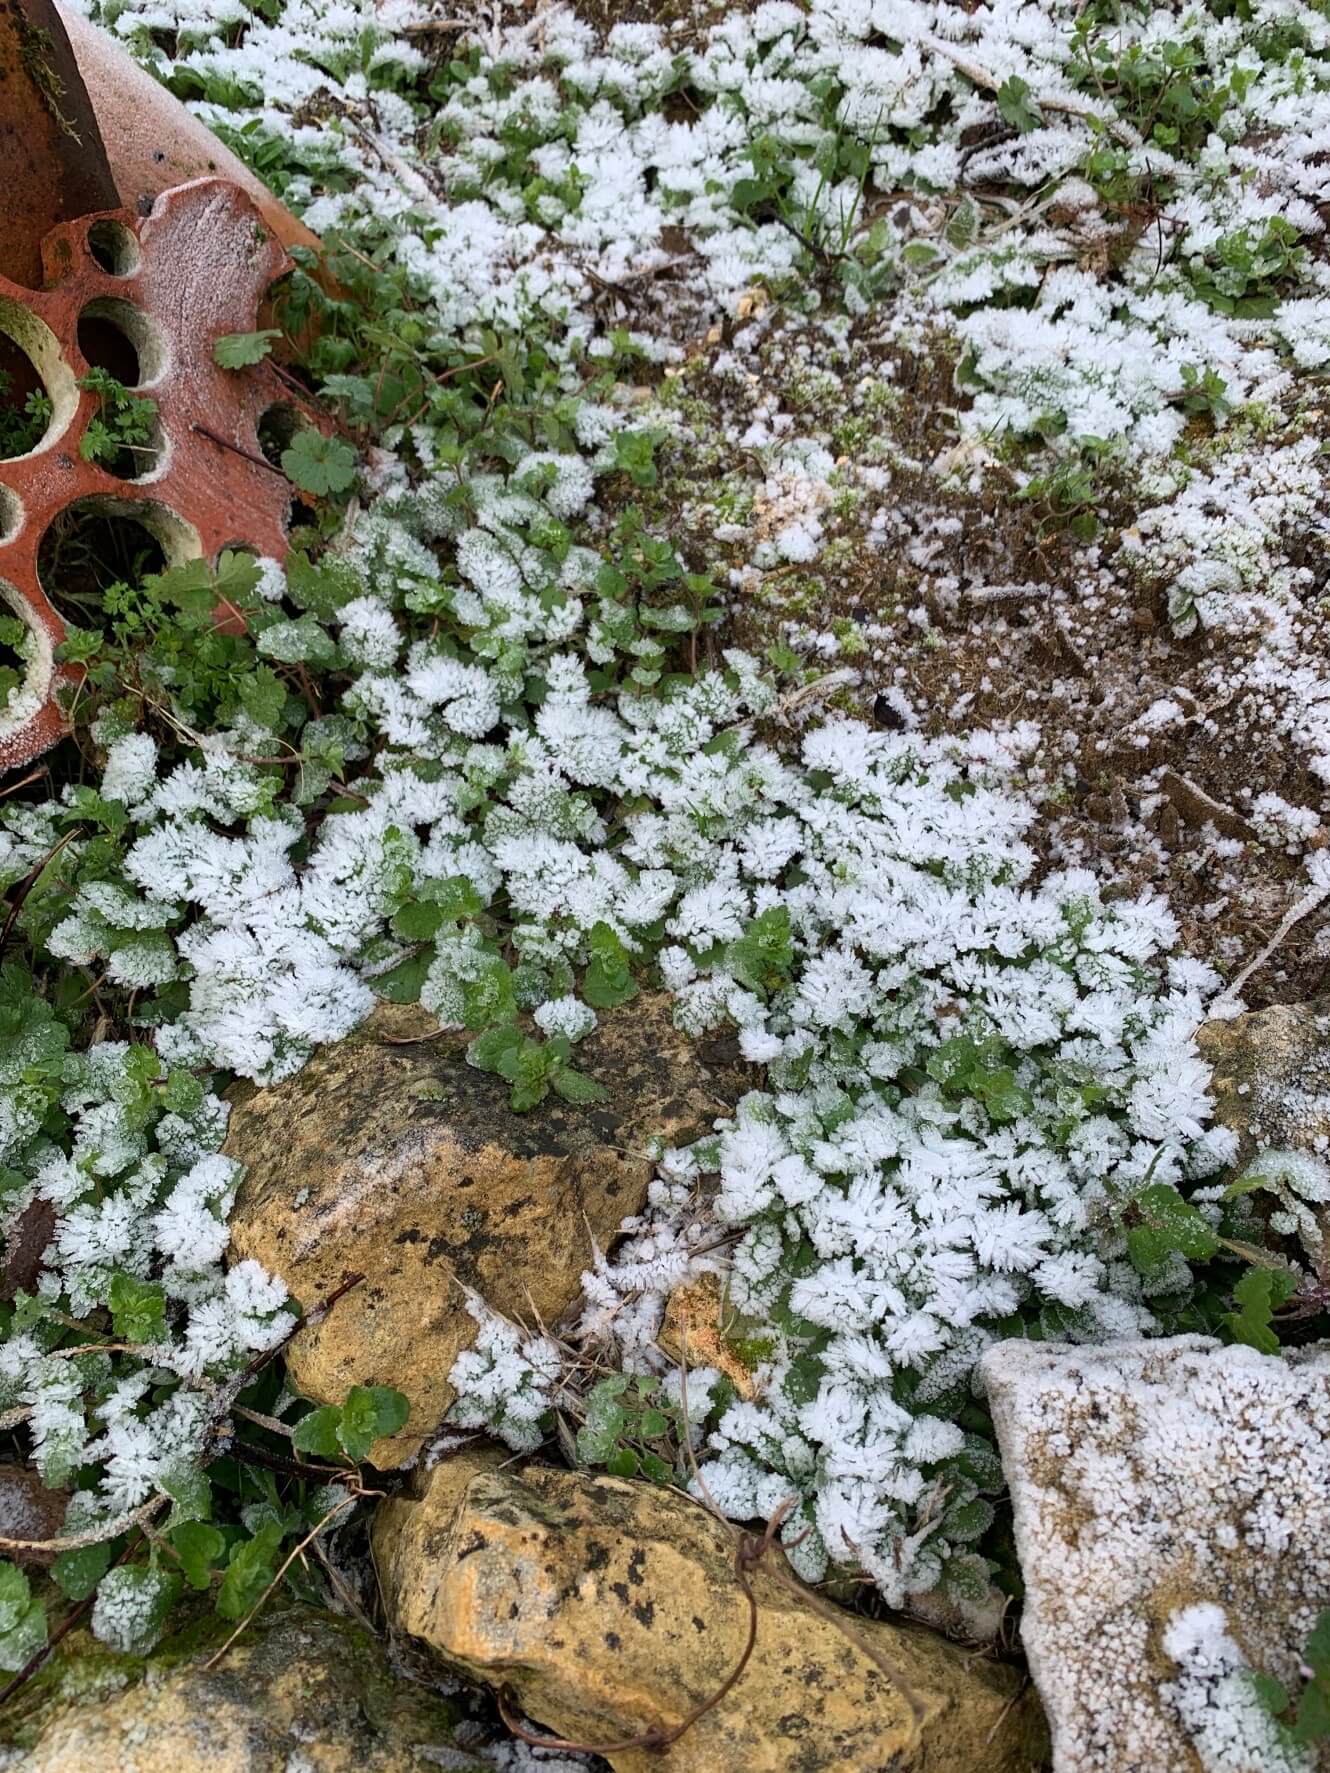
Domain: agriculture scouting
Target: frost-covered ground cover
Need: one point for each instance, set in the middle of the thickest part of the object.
(502, 680)
(1100, 228)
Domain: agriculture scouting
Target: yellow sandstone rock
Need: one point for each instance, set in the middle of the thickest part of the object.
(389, 1156)
(702, 1329)
(611, 1608)
(303, 1692)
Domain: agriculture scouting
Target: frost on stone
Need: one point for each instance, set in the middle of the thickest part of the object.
(1171, 1503)
(1215, 1699)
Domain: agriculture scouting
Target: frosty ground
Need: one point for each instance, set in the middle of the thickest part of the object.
(841, 518)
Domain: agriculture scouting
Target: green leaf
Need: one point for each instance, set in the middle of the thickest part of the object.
(528, 1067)
(404, 982)
(369, 1414)
(1171, 1225)
(455, 896)
(622, 1463)
(576, 1086)
(803, 1378)
(316, 1433)
(86, 806)
(300, 642)
(319, 464)
(322, 590)
(1312, 1723)
(237, 350)
(971, 1520)
(963, 224)
(183, 1093)
(762, 956)
(594, 1445)
(190, 1491)
(606, 1420)
(980, 1463)
(1270, 1692)
(15, 1594)
(198, 1546)
(144, 1597)
(490, 1051)
(22, 1619)
(1015, 106)
(357, 391)
(1258, 1295)
(1316, 1650)
(954, 1062)
(249, 1571)
(81, 644)
(608, 979)
(418, 921)
(138, 1309)
(634, 452)
(188, 587)
(1001, 1095)
(488, 997)
(263, 696)
(78, 1572)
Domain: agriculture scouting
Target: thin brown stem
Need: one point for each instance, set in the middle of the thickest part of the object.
(236, 449)
(285, 1565)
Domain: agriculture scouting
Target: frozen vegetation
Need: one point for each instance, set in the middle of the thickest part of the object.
(534, 718)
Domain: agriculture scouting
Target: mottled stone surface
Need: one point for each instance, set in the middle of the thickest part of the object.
(1272, 1077)
(390, 1156)
(1147, 1479)
(612, 1607)
(702, 1329)
(303, 1692)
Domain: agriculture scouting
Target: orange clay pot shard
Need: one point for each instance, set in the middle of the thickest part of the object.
(145, 297)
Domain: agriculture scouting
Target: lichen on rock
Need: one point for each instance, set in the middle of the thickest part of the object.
(613, 1608)
(302, 1692)
(1272, 1076)
(389, 1156)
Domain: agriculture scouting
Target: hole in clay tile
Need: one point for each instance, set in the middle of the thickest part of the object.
(113, 247)
(15, 644)
(11, 513)
(25, 660)
(37, 392)
(124, 436)
(116, 336)
(106, 347)
(106, 344)
(137, 460)
(99, 542)
(277, 425)
(25, 406)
